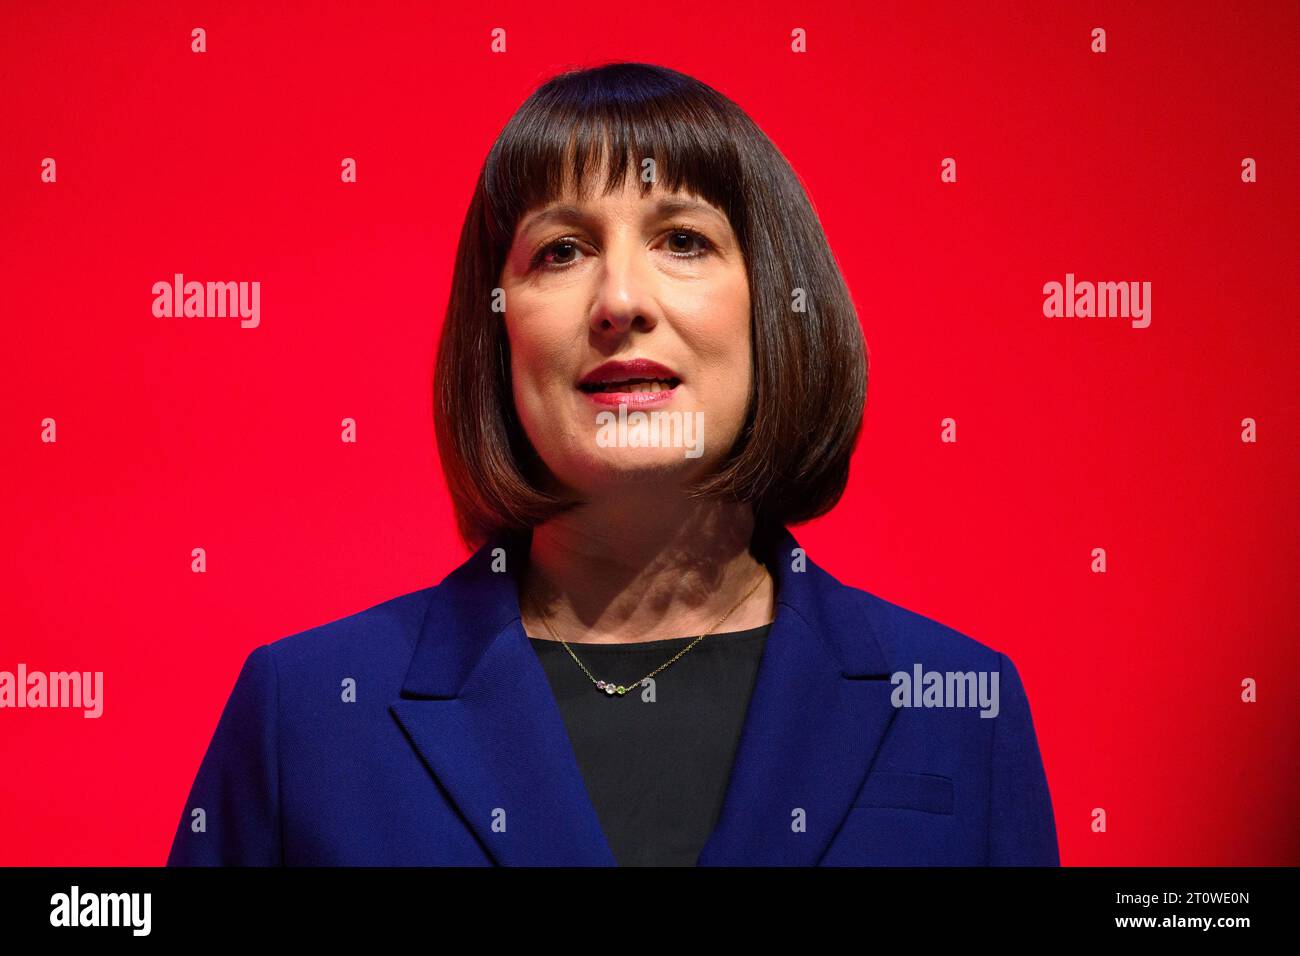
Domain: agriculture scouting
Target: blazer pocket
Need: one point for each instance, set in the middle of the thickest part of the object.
(929, 792)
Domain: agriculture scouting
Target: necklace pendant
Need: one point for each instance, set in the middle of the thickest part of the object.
(609, 688)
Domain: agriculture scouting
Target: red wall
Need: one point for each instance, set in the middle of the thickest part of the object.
(1072, 433)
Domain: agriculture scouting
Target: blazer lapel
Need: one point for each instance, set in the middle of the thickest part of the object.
(477, 706)
(818, 712)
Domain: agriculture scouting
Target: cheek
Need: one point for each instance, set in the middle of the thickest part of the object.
(736, 379)
(539, 380)
(524, 365)
(723, 324)
(533, 349)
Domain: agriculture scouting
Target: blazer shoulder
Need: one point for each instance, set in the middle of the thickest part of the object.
(905, 636)
(385, 630)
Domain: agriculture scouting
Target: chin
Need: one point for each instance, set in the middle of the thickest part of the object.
(614, 468)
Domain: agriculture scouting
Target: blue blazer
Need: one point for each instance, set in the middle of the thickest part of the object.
(453, 751)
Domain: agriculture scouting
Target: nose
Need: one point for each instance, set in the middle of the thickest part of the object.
(623, 296)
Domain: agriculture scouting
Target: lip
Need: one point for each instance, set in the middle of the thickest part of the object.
(618, 371)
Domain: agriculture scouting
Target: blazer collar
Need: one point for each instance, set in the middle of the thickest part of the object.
(477, 706)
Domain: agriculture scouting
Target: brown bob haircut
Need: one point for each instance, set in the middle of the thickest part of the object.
(790, 460)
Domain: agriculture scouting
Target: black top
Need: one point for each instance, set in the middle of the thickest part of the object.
(656, 761)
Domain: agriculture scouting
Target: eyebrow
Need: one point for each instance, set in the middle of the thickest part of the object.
(567, 212)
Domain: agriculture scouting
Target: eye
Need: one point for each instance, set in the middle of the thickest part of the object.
(556, 254)
(563, 246)
(688, 234)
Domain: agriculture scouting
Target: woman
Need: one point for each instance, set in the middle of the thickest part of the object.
(638, 665)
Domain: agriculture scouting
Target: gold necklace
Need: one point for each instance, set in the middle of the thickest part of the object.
(610, 688)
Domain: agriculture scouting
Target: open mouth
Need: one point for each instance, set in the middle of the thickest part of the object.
(633, 385)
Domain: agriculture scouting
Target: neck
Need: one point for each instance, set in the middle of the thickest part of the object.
(619, 572)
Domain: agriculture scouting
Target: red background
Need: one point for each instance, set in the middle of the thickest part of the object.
(1073, 433)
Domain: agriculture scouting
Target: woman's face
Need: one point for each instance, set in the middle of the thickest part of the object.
(614, 279)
